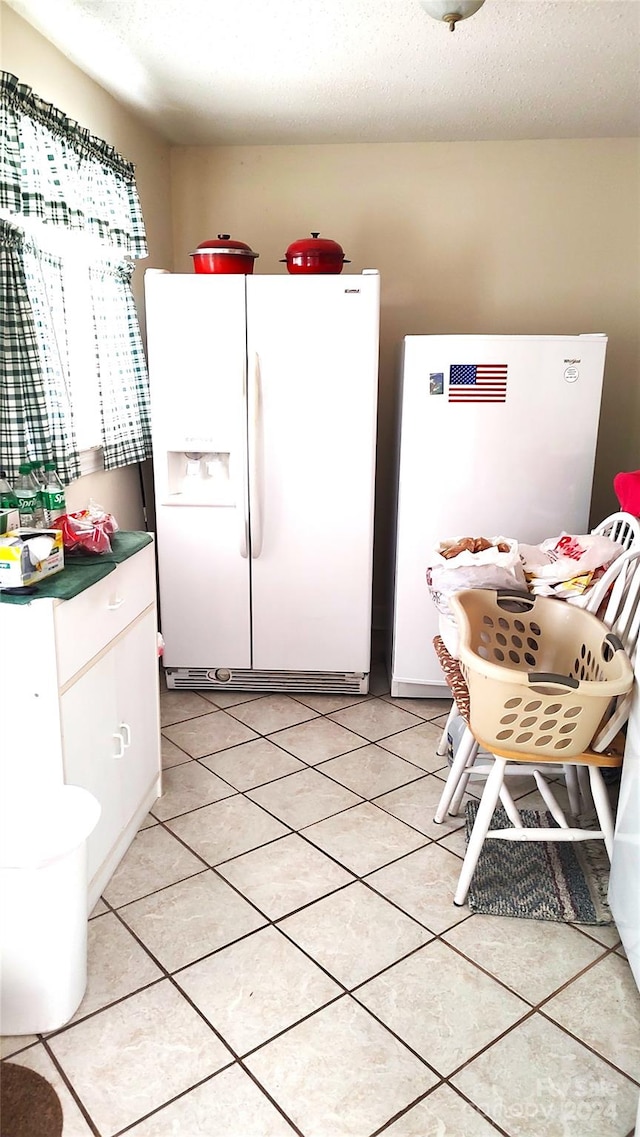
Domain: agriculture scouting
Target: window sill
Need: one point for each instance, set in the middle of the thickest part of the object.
(91, 461)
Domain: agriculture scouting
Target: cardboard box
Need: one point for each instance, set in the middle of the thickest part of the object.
(9, 519)
(27, 556)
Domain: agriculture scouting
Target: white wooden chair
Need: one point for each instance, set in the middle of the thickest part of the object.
(609, 599)
(603, 753)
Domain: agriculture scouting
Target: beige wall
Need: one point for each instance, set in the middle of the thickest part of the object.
(36, 62)
(513, 237)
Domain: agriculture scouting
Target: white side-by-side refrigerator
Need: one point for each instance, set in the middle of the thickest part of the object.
(264, 408)
(497, 438)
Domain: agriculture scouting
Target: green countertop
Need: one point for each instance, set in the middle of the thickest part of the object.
(81, 572)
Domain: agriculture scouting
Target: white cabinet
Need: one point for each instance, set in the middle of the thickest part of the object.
(80, 677)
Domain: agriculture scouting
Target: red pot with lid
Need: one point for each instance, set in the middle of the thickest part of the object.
(223, 255)
(315, 254)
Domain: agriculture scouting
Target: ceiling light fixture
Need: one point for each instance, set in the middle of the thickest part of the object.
(450, 11)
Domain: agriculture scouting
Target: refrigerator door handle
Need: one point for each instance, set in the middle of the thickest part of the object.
(239, 475)
(255, 460)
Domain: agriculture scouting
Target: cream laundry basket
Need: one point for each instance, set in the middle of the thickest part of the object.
(541, 673)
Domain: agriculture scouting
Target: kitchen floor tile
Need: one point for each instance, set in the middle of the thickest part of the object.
(209, 733)
(606, 934)
(226, 829)
(602, 1008)
(257, 988)
(189, 920)
(317, 740)
(14, 1043)
(116, 965)
(423, 884)
(426, 708)
(227, 1105)
(364, 838)
(339, 1073)
(442, 1114)
(100, 907)
(153, 860)
(324, 704)
(441, 1005)
(252, 764)
(176, 706)
(417, 745)
(370, 771)
(499, 944)
(185, 788)
(374, 719)
(152, 1046)
(284, 876)
(225, 699)
(416, 804)
(74, 1124)
(302, 798)
(455, 842)
(354, 933)
(273, 712)
(172, 755)
(419, 707)
(538, 1080)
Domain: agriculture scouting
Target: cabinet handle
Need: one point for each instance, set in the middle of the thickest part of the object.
(117, 603)
(126, 730)
(121, 744)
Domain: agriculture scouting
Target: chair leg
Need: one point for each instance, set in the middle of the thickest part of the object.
(456, 802)
(466, 747)
(441, 748)
(573, 789)
(585, 786)
(487, 805)
(603, 807)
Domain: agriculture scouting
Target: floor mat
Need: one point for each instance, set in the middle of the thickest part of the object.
(30, 1106)
(539, 880)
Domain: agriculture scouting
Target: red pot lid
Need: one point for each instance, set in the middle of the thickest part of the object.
(223, 244)
(315, 244)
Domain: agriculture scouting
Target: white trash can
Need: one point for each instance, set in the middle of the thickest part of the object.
(43, 908)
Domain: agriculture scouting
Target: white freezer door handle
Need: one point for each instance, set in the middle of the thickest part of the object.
(255, 460)
(239, 471)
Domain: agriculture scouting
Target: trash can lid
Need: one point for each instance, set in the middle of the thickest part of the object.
(40, 828)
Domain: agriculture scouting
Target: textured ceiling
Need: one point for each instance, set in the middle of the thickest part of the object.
(296, 71)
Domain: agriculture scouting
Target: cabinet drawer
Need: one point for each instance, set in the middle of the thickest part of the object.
(89, 621)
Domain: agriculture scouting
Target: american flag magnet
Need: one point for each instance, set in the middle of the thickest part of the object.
(478, 383)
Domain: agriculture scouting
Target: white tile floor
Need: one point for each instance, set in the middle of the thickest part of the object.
(279, 954)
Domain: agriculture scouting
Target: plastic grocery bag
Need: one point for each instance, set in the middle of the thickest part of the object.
(88, 531)
(471, 562)
(566, 565)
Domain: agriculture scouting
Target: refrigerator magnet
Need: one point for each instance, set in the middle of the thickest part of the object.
(436, 383)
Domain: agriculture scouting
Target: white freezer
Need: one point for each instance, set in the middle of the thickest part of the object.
(263, 398)
(514, 458)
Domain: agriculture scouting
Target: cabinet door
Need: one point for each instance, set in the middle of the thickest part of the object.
(137, 709)
(89, 720)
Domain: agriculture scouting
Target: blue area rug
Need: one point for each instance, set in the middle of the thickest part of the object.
(539, 880)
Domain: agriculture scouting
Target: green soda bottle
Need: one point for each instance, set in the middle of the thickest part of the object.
(53, 499)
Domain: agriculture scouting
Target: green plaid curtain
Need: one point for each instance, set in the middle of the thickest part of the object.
(122, 370)
(30, 428)
(58, 175)
(54, 169)
(44, 279)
